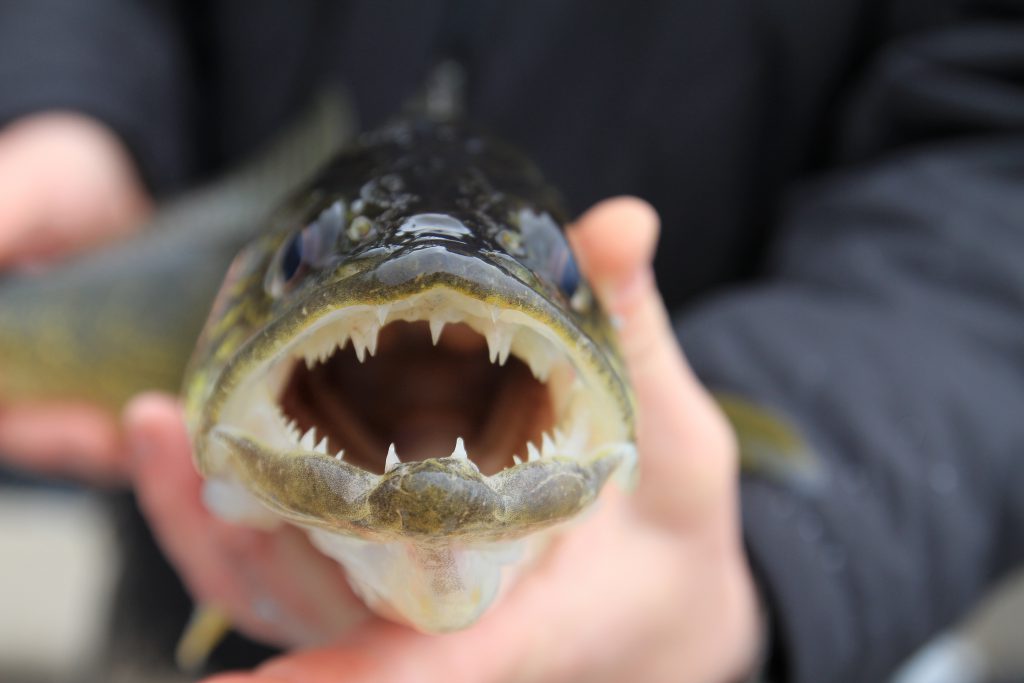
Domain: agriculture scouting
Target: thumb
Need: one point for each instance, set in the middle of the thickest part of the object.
(687, 451)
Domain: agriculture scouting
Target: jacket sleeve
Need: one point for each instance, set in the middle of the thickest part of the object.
(889, 326)
(121, 62)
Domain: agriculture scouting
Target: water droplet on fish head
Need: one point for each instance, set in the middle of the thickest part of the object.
(511, 241)
(359, 228)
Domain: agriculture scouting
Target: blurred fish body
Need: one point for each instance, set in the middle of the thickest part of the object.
(403, 360)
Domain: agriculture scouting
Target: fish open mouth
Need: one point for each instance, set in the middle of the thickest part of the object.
(431, 377)
(415, 391)
(462, 388)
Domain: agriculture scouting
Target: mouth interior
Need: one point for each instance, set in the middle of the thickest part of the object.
(435, 375)
(421, 397)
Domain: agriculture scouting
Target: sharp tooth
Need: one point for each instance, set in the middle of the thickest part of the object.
(371, 337)
(495, 312)
(382, 313)
(547, 445)
(359, 345)
(499, 341)
(540, 365)
(504, 349)
(322, 446)
(531, 452)
(517, 460)
(436, 325)
(460, 450)
(340, 455)
(492, 344)
(310, 362)
(308, 440)
(392, 460)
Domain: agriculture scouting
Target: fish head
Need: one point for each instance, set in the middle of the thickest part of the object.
(410, 366)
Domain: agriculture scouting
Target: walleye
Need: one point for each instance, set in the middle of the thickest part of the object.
(409, 366)
(404, 361)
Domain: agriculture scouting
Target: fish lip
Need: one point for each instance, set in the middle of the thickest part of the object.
(438, 498)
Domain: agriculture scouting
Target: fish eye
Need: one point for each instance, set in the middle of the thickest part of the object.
(548, 253)
(305, 249)
(291, 257)
(568, 277)
(290, 263)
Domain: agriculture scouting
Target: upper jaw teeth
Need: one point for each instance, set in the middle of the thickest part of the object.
(362, 324)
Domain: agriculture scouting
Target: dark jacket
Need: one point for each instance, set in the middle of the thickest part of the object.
(842, 189)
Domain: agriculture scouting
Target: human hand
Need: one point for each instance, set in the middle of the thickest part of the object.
(649, 587)
(66, 184)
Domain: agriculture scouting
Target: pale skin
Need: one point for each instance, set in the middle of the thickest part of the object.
(652, 586)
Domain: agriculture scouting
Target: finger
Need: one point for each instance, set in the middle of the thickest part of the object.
(66, 183)
(275, 585)
(679, 427)
(19, 207)
(65, 439)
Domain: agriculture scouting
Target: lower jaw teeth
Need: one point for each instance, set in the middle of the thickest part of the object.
(550, 446)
